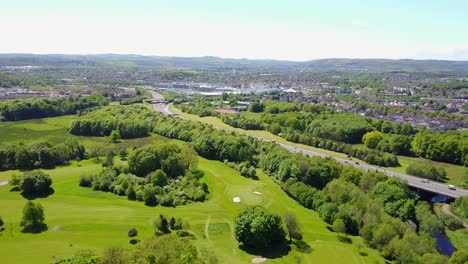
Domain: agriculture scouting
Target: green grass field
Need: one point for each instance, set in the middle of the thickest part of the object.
(55, 130)
(456, 175)
(80, 218)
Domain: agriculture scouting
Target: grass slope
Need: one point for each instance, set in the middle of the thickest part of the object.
(55, 130)
(456, 175)
(80, 218)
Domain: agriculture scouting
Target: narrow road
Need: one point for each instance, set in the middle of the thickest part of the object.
(420, 183)
(446, 210)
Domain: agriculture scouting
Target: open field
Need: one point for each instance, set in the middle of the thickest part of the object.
(55, 130)
(456, 175)
(80, 218)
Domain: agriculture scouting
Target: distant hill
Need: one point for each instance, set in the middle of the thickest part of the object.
(159, 62)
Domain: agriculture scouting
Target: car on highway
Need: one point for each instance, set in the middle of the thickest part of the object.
(451, 187)
(425, 180)
(357, 163)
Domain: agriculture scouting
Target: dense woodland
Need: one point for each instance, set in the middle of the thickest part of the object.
(318, 126)
(131, 122)
(44, 155)
(22, 109)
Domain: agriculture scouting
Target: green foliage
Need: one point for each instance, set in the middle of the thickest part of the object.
(80, 257)
(35, 183)
(451, 222)
(22, 109)
(149, 196)
(340, 127)
(428, 223)
(41, 155)
(459, 257)
(448, 146)
(427, 171)
(460, 207)
(132, 232)
(241, 121)
(372, 139)
(396, 198)
(170, 249)
(339, 226)
(292, 226)
(161, 225)
(257, 228)
(256, 107)
(114, 136)
(132, 121)
(151, 157)
(33, 218)
(159, 178)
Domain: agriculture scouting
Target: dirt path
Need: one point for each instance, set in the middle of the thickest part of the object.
(446, 210)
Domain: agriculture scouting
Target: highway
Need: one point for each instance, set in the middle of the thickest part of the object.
(416, 182)
(420, 183)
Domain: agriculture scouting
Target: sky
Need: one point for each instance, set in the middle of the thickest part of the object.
(296, 30)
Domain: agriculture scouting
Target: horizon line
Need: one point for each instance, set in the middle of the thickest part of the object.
(225, 58)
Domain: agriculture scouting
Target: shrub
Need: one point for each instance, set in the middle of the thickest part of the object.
(132, 232)
(35, 183)
(86, 181)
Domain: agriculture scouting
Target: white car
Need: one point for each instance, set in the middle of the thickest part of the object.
(451, 187)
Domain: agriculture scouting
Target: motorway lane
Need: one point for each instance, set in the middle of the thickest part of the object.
(420, 183)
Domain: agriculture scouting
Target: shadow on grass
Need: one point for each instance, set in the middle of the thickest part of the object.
(35, 196)
(345, 239)
(279, 250)
(36, 229)
(362, 253)
(303, 247)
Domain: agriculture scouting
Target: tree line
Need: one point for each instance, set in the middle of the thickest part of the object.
(43, 155)
(131, 121)
(22, 109)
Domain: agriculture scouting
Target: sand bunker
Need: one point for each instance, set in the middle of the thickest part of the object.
(258, 260)
(259, 193)
(236, 199)
(3, 183)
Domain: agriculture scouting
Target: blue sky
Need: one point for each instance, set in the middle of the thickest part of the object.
(289, 29)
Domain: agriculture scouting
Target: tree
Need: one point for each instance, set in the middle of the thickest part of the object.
(257, 228)
(123, 153)
(292, 226)
(172, 222)
(114, 136)
(35, 183)
(149, 196)
(109, 161)
(372, 139)
(33, 218)
(132, 232)
(161, 224)
(459, 257)
(130, 192)
(159, 178)
(114, 255)
(339, 226)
